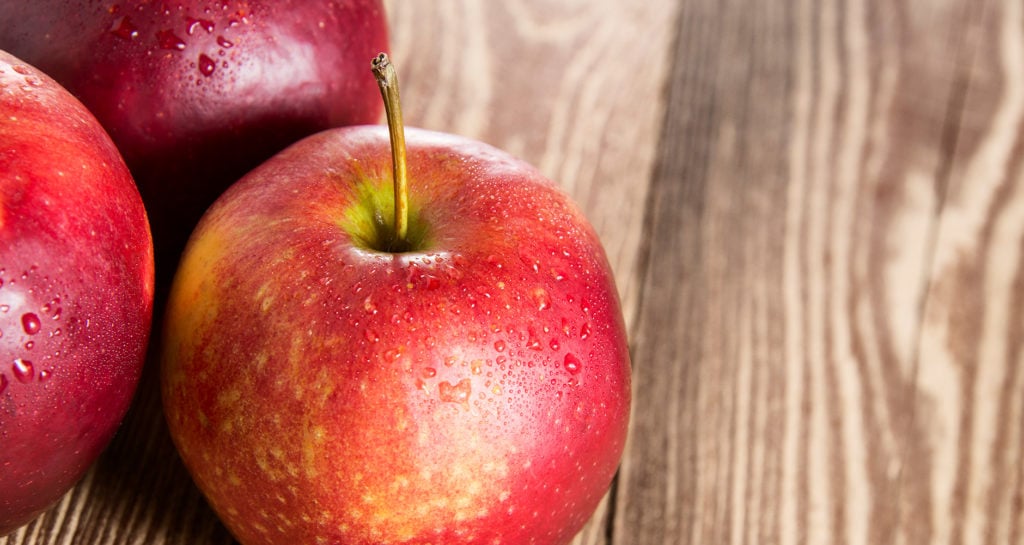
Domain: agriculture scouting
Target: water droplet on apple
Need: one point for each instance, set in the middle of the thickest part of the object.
(124, 29)
(499, 346)
(224, 42)
(431, 282)
(371, 336)
(541, 298)
(3, 382)
(30, 323)
(369, 306)
(458, 393)
(23, 70)
(168, 40)
(429, 372)
(206, 65)
(23, 370)
(192, 24)
(532, 342)
(30, 345)
(585, 330)
(554, 344)
(48, 308)
(416, 278)
(572, 364)
(529, 261)
(44, 375)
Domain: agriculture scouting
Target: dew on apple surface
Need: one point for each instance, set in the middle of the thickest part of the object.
(572, 364)
(30, 323)
(192, 24)
(206, 65)
(23, 370)
(124, 28)
(541, 298)
(167, 39)
(533, 343)
(457, 393)
(3, 382)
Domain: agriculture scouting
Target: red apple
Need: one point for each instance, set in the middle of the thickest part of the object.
(329, 381)
(76, 290)
(196, 92)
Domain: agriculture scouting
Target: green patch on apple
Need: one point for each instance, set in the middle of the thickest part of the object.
(370, 220)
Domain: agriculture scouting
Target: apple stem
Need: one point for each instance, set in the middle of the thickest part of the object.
(387, 80)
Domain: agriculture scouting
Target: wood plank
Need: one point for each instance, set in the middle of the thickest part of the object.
(802, 164)
(573, 87)
(965, 484)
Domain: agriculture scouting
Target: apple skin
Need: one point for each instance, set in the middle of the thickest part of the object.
(475, 389)
(76, 291)
(196, 93)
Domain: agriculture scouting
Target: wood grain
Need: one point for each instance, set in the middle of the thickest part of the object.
(834, 345)
(966, 484)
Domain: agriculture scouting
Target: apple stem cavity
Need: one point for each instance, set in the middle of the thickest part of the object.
(387, 80)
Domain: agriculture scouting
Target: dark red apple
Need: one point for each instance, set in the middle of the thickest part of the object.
(76, 291)
(197, 92)
(328, 380)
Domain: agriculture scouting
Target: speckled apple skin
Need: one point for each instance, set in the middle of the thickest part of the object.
(475, 391)
(76, 291)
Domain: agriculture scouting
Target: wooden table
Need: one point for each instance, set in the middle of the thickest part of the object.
(815, 212)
